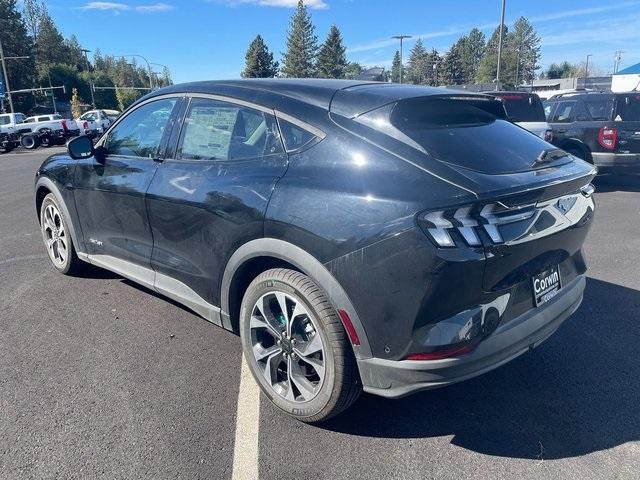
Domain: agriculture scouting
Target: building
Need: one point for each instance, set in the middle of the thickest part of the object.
(627, 80)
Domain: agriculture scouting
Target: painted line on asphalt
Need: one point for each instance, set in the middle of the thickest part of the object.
(245, 449)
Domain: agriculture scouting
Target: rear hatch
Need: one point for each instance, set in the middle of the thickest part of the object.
(627, 122)
(530, 213)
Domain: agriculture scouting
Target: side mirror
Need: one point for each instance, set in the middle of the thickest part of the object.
(80, 148)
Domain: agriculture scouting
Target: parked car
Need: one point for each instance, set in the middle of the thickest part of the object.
(93, 122)
(525, 109)
(112, 115)
(600, 127)
(372, 236)
(9, 138)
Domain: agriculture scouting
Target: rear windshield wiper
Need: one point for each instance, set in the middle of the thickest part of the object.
(549, 155)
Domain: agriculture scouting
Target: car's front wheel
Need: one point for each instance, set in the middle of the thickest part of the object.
(56, 237)
(296, 347)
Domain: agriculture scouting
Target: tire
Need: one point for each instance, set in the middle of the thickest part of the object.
(311, 387)
(29, 142)
(45, 140)
(578, 152)
(57, 237)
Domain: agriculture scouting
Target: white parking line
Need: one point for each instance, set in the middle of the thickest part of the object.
(245, 449)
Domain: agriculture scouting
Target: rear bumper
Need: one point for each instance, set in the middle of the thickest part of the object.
(394, 379)
(617, 162)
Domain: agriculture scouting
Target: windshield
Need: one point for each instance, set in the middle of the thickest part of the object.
(523, 108)
(5, 119)
(628, 108)
(468, 134)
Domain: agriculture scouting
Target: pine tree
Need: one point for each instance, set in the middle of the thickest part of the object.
(452, 71)
(352, 70)
(396, 68)
(418, 64)
(523, 47)
(50, 44)
(332, 60)
(259, 61)
(472, 48)
(433, 66)
(488, 65)
(16, 42)
(302, 45)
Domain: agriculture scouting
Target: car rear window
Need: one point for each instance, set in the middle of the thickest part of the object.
(628, 107)
(470, 134)
(599, 108)
(522, 108)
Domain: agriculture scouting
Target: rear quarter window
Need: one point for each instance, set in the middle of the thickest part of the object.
(628, 108)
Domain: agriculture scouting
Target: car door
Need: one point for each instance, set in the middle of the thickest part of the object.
(209, 196)
(109, 192)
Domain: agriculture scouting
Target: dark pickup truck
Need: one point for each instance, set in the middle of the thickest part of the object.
(600, 127)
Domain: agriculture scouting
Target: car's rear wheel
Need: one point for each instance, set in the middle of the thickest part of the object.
(296, 347)
(56, 237)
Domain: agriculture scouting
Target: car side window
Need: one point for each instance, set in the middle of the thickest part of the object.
(139, 133)
(217, 130)
(294, 137)
(565, 111)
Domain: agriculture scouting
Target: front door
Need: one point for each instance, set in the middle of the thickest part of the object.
(110, 194)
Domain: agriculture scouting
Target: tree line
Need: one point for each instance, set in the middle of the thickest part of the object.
(27, 30)
(471, 59)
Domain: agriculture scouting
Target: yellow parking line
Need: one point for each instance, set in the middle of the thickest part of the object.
(245, 450)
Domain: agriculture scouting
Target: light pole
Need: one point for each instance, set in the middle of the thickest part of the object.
(504, 6)
(146, 61)
(401, 38)
(6, 79)
(586, 70)
(86, 57)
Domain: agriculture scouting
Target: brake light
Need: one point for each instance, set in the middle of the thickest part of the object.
(548, 136)
(607, 137)
(442, 354)
(511, 97)
(64, 125)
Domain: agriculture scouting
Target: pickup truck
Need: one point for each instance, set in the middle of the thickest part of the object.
(94, 122)
(39, 129)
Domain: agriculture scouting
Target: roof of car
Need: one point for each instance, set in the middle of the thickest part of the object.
(347, 97)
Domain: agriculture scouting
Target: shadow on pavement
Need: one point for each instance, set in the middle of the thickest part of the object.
(617, 183)
(575, 394)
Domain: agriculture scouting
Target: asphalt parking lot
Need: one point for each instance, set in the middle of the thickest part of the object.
(102, 378)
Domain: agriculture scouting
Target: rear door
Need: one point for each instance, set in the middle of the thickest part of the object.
(210, 194)
(627, 122)
(110, 193)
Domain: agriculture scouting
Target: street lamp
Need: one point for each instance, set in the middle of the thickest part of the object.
(504, 6)
(86, 57)
(401, 38)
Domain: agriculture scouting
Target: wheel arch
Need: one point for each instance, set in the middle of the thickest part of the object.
(272, 253)
(45, 186)
(574, 143)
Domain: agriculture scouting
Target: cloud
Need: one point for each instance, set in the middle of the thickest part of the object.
(122, 7)
(458, 30)
(312, 4)
(157, 7)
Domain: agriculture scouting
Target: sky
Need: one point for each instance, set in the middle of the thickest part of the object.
(207, 39)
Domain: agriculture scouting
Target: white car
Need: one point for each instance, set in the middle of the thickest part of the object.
(525, 109)
(93, 122)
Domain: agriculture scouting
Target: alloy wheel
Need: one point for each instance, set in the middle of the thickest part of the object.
(287, 346)
(55, 235)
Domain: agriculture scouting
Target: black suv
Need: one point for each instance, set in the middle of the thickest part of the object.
(600, 127)
(356, 235)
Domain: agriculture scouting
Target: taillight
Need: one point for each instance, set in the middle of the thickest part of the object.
(607, 137)
(467, 222)
(64, 125)
(548, 136)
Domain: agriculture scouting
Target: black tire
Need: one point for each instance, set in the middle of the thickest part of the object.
(45, 140)
(72, 264)
(341, 384)
(578, 152)
(29, 142)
